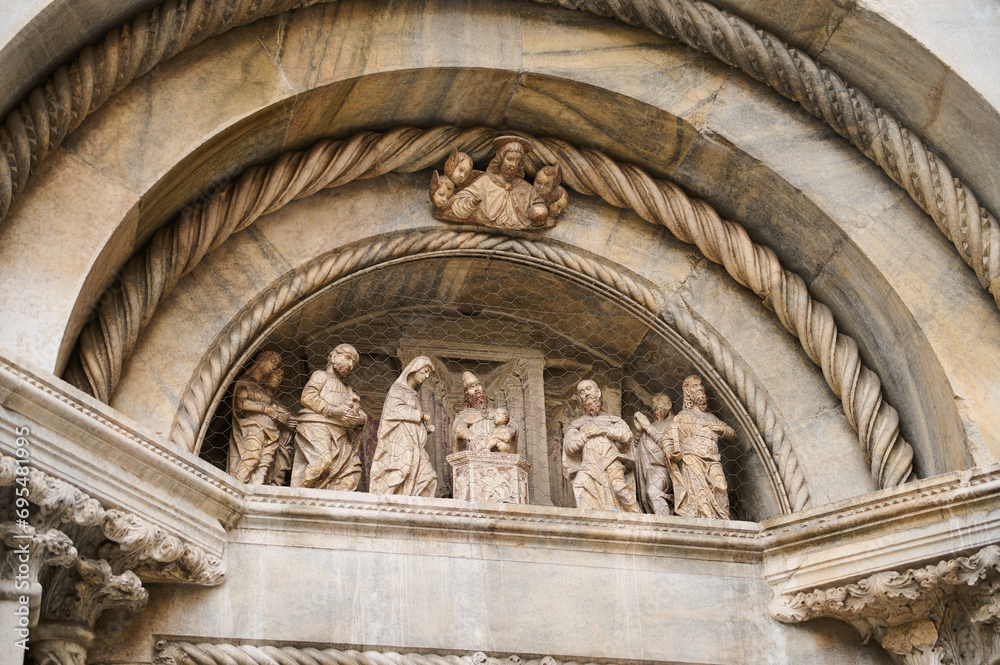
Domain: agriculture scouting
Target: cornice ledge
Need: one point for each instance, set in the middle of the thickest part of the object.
(330, 510)
(957, 488)
(942, 613)
(73, 436)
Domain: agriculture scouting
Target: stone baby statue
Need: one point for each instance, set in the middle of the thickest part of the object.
(503, 437)
(500, 197)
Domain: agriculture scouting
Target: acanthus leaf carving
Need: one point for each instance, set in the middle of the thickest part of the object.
(941, 614)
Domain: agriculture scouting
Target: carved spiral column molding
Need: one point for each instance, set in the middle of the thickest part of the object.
(43, 120)
(176, 249)
(186, 653)
(51, 111)
(823, 93)
(943, 614)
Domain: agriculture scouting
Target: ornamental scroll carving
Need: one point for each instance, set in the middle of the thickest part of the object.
(95, 561)
(39, 125)
(942, 614)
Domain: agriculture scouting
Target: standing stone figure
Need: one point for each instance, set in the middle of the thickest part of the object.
(501, 197)
(259, 421)
(652, 474)
(696, 466)
(597, 456)
(401, 464)
(282, 465)
(474, 422)
(326, 453)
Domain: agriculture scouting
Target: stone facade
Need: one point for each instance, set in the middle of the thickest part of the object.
(793, 201)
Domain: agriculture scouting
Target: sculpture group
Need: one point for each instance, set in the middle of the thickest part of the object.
(501, 197)
(672, 466)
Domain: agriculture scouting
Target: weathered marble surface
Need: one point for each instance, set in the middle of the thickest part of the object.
(244, 127)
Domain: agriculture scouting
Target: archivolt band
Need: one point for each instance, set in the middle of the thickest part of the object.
(176, 249)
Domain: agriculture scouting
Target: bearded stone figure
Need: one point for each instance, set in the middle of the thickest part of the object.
(700, 488)
(500, 198)
(473, 423)
(326, 454)
(597, 456)
(401, 464)
(260, 423)
(652, 475)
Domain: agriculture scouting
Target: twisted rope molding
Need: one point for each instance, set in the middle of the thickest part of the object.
(50, 112)
(175, 249)
(234, 342)
(186, 653)
(740, 378)
(822, 92)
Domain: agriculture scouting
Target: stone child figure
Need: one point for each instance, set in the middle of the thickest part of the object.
(501, 197)
(259, 421)
(652, 474)
(401, 464)
(326, 452)
(696, 466)
(503, 437)
(547, 184)
(597, 456)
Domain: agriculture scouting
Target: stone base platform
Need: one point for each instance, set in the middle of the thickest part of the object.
(485, 476)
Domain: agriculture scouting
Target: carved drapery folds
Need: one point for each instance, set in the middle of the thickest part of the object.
(942, 614)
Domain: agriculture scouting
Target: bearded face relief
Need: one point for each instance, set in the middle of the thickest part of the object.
(500, 197)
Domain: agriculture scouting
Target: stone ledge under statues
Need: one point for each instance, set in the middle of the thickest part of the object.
(824, 546)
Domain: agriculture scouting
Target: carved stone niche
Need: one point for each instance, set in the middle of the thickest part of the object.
(512, 378)
(943, 614)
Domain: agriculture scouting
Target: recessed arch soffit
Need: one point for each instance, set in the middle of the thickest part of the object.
(175, 250)
(929, 399)
(52, 111)
(346, 287)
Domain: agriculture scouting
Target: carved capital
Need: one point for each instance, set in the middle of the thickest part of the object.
(95, 589)
(25, 551)
(943, 614)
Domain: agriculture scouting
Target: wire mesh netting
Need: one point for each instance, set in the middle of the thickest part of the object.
(530, 336)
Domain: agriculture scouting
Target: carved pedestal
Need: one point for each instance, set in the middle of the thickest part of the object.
(499, 477)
